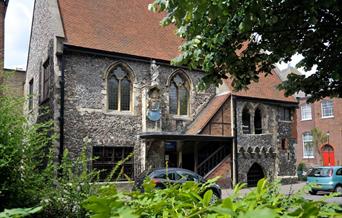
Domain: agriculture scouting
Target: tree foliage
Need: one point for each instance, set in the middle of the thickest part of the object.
(215, 30)
(182, 200)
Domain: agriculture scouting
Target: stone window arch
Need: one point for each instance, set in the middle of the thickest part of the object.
(246, 121)
(258, 121)
(119, 88)
(179, 94)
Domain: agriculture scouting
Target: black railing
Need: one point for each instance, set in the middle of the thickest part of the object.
(212, 160)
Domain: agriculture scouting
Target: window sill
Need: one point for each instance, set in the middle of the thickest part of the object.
(182, 117)
(286, 121)
(309, 157)
(327, 117)
(125, 113)
(305, 119)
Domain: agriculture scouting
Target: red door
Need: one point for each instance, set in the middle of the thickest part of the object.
(328, 155)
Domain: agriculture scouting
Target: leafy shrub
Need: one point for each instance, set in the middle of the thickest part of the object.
(183, 201)
(29, 173)
(22, 150)
(301, 169)
(74, 184)
(19, 212)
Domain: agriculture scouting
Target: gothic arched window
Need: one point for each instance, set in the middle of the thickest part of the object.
(257, 121)
(246, 121)
(119, 89)
(179, 95)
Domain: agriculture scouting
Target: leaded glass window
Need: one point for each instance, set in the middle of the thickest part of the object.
(119, 90)
(107, 157)
(179, 95)
(173, 98)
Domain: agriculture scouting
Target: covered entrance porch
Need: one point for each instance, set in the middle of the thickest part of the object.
(207, 155)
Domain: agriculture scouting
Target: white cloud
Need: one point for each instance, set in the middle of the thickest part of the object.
(17, 32)
(295, 59)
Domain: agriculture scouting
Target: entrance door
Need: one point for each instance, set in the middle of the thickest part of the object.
(254, 174)
(328, 155)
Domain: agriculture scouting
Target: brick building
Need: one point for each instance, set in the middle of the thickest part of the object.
(104, 71)
(325, 115)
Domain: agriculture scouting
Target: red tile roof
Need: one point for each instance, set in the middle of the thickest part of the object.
(126, 27)
(208, 112)
(264, 89)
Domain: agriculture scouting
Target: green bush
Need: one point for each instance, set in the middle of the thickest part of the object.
(264, 201)
(29, 173)
(74, 184)
(300, 170)
(22, 149)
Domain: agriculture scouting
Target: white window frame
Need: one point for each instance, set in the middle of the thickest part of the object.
(332, 108)
(301, 112)
(313, 151)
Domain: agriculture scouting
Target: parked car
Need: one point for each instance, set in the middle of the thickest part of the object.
(164, 176)
(326, 179)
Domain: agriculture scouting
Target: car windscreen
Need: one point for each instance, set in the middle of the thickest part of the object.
(321, 172)
(163, 174)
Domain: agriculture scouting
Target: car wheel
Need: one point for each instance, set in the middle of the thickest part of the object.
(313, 192)
(338, 189)
(214, 198)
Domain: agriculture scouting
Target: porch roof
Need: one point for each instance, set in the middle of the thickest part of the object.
(184, 137)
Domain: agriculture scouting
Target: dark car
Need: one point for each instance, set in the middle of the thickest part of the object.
(164, 176)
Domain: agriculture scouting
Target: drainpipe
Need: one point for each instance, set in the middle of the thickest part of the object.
(235, 142)
(61, 112)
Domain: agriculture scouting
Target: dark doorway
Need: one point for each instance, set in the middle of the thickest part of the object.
(254, 174)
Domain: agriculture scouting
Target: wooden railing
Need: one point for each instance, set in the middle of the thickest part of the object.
(212, 160)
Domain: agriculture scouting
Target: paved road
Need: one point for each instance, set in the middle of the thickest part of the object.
(290, 189)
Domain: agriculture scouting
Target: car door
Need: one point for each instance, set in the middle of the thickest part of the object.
(338, 178)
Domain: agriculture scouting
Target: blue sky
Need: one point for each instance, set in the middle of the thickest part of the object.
(17, 35)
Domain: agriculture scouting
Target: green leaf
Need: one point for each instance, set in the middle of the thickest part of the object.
(207, 197)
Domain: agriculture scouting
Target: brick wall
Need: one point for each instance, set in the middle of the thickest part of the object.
(224, 171)
(332, 125)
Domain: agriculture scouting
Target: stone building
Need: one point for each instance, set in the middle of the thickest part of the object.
(104, 71)
(326, 115)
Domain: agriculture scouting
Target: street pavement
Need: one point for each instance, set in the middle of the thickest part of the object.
(291, 189)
